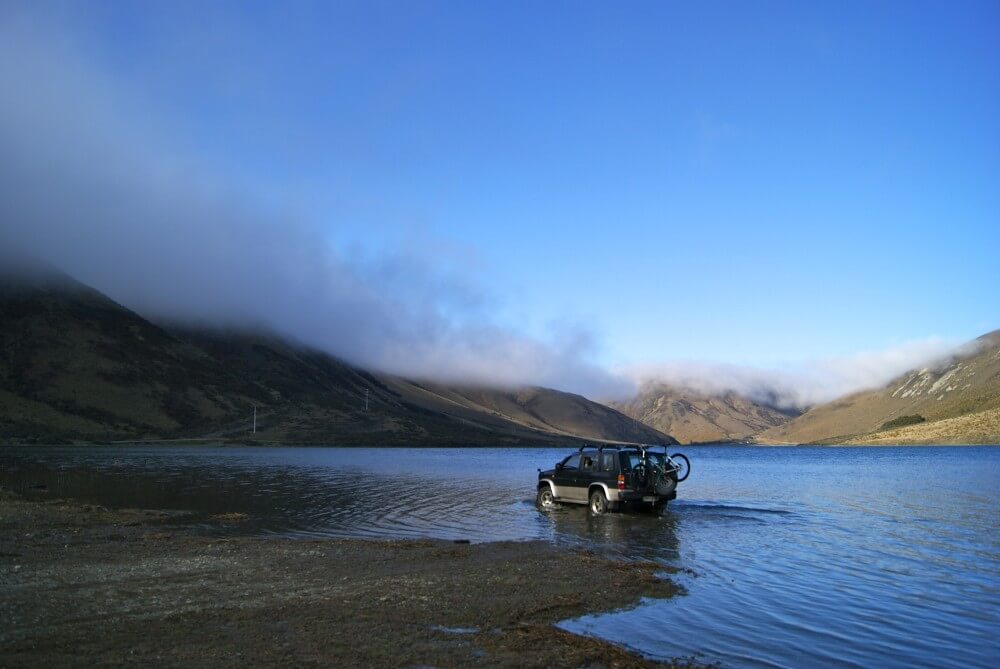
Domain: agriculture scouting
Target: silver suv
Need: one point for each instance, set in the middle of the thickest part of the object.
(608, 477)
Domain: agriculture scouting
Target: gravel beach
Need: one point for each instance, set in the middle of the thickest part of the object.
(85, 585)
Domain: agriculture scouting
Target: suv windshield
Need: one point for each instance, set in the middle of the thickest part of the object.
(572, 462)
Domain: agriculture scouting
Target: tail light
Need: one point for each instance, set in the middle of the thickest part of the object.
(621, 481)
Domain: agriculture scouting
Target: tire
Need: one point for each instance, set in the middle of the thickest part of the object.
(544, 499)
(667, 485)
(598, 502)
(685, 468)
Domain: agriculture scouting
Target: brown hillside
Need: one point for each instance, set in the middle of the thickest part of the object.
(967, 383)
(980, 427)
(551, 411)
(75, 365)
(694, 417)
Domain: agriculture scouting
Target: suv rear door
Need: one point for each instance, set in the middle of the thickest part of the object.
(607, 471)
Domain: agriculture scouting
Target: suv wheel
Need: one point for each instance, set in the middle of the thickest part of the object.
(544, 499)
(598, 502)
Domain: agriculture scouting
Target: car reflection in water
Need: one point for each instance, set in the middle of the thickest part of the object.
(629, 534)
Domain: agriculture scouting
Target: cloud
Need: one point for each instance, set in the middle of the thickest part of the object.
(101, 187)
(97, 184)
(805, 384)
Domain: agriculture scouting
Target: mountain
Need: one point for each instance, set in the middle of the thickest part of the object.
(76, 365)
(73, 362)
(955, 402)
(544, 409)
(696, 417)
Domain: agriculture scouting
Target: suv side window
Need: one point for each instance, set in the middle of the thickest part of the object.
(608, 462)
(589, 462)
(572, 462)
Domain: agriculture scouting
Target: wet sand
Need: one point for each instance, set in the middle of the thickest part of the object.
(84, 585)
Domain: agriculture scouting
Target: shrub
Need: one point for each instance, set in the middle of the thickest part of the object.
(903, 421)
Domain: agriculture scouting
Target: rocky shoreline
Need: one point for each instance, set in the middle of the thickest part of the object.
(82, 584)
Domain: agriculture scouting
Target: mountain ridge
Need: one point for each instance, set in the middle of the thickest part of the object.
(692, 416)
(964, 384)
(76, 365)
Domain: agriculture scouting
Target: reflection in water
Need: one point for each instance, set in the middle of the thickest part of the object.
(803, 557)
(640, 536)
(342, 502)
(293, 500)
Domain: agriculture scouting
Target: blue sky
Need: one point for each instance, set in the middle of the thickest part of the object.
(749, 183)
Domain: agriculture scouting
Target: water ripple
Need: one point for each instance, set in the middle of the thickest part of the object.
(800, 557)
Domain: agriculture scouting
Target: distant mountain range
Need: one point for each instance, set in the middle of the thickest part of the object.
(956, 402)
(75, 365)
(695, 417)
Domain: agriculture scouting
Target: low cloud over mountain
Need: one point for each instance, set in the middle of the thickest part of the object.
(97, 183)
(94, 183)
(801, 385)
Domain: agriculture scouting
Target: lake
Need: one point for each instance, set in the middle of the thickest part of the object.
(791, 557)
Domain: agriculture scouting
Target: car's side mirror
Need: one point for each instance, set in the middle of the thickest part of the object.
(559, 466)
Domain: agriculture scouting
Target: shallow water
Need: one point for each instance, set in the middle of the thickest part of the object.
(795, 557)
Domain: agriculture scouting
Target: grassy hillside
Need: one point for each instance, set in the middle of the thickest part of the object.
(965, 385)
(694, 417)
(980, 427)
(76, 365)
(550, 411)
